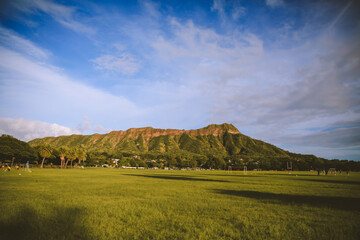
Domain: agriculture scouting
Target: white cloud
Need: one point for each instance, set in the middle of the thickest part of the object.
(218, 5)
(151, 8)
(237, 12)
(123, 63)
(274, 3)
(101, 129)
(85, 126)
(206, 47)
(64, 15)
(12, 40)
(269, 93)
(27, 130)
(316, 95)
(37, 89)
(340, 137)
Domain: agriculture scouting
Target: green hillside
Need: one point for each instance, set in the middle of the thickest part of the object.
(11, 147)
(222, 139)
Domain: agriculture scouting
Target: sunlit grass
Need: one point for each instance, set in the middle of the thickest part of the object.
(149, 204)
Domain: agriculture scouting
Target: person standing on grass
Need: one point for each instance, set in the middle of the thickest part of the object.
(9, 168)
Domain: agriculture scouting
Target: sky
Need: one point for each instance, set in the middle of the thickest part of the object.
(285, 72)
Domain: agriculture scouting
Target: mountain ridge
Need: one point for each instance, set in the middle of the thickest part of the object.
(214, 139)
(149, 132)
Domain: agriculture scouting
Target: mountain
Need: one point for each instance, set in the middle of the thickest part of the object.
(11, 147)
(223, 139)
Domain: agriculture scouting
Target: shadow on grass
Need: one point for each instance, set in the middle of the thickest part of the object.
(341, 203)
(290, 175)
(176, 177)
(29, 224)
(235, 175)
(330, 181)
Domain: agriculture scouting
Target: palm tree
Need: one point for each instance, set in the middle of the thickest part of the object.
(81, 155)
(63, 151)
(45, 151)
(74, 155)
(70, 156)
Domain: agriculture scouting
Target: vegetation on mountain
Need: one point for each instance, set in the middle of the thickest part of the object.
(214, 146)
(11, 147)
(222, 139)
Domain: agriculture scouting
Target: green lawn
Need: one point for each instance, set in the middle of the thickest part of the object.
(159, 204)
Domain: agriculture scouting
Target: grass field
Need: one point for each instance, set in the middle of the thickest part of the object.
(158, 204)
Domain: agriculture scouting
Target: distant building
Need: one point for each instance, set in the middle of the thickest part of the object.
(128, 167)
(115, 161)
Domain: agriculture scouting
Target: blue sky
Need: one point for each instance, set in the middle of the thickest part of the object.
(286, 72)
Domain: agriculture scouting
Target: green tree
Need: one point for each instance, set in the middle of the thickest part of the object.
(133, 163)
(71, 156)
(201, 160)
(171, 162)
(81, 155)
(192, 163)
(219, 162)
(63, 151)
(45, 151)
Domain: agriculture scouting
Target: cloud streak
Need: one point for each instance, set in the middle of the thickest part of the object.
(62, 14)
(123, 63)
(340, 15)
(10, 39)
(336, 138)
(274, 3)
(221, 7)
